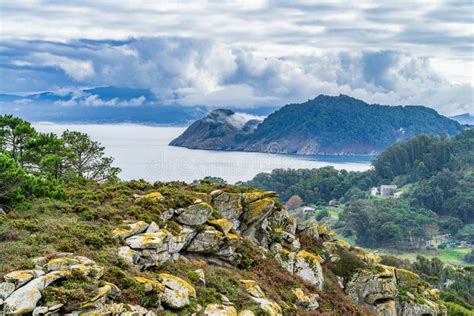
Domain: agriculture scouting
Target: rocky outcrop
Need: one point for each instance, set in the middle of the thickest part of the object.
(268, 306)
(307, 301)
(23, 297)
(177, 292)
(196, 214)
(379, 290)
(212, 230)
(28, 284)
(130, 229)
(370, 287)
(194, 230)
(303, 264)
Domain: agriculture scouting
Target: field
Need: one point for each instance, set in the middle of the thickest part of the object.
(452, 256)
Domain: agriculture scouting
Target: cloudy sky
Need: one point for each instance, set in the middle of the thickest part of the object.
(244, 53)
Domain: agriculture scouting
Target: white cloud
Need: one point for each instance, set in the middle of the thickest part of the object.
(245, 53)
(79, 70)
(202, 72)
(238, 119)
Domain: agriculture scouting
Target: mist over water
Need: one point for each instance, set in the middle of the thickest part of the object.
(143, 152)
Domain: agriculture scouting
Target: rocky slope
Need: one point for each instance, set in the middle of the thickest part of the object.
(325, 125)
(175, 249)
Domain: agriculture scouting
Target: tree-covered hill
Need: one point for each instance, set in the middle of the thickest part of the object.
(436, 173)
(324, 125)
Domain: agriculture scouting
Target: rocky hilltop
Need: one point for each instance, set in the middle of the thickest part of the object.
(325, 125)
(176, 249)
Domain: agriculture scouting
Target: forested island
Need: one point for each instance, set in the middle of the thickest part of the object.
(325, 125)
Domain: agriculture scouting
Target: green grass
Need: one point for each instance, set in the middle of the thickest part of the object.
(406, 188)
(451, 256)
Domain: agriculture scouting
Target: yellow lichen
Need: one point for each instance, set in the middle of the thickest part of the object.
(223, 224)
(233, 236)
(154, 195)
(343, 244)
(145, 280)
(308, 255)
(252, 288)
(322, 229)
(179, 281)
(255, 209)
(21, 275)
(121, 231)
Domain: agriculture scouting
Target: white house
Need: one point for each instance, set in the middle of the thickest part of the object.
(387, 190)
(374, 191)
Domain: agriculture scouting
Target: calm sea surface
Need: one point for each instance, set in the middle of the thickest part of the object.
(143, 152)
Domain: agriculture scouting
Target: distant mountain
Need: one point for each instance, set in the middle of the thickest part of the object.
(105, 105)
(325, 125)
(219, 130)
(465, 118)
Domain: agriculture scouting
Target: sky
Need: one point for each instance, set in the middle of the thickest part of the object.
(244, 53)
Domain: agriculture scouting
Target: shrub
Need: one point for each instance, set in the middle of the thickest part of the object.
(455, 309)
(322, 214)
(348, 264)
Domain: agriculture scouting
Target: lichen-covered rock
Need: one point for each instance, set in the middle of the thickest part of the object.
(308, 267)
(150, 285)
(177, 292)
(229, 205)
(250, 197)
(386, 308)
(427, 307)
(206, 241)
(433, 294)
(151, 258)
(152, 228)
(116, 309)
(286, 260)
(246, 312)
(63, 263)
(268, 306)
(158, 241)
(24, 299)
(368, 257)
(179, 241)
(79, 264)
(18, 278)
(369, 286)
(109, 290)
(130, 229)
(196, 214)
(308, 302)
(257, 210)
(295, 245)
(153, 195)
(252, 288)
(223, 225)
(91, 270)
(128, 254)
(202, 276)
(220, 310)
(6, 288)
